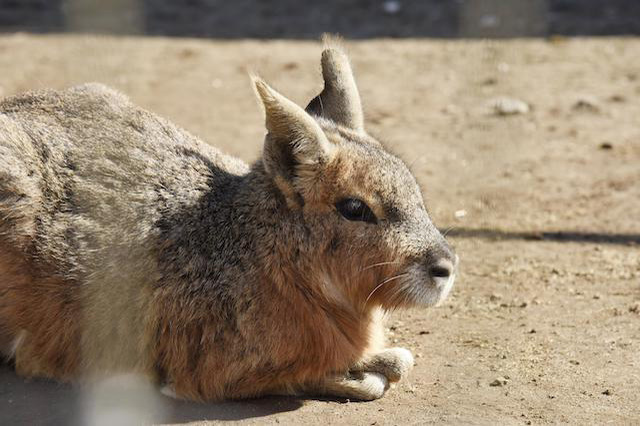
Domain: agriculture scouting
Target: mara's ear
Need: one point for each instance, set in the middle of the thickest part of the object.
(294, 139)
(339, 100)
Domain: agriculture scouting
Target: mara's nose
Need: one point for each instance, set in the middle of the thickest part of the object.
(443, 269)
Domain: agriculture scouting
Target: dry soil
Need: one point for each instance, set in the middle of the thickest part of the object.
(543, 208)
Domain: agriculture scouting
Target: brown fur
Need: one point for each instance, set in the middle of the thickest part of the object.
(126, 244)
(52, 328)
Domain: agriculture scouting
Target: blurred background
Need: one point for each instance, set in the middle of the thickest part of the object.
(301, 19)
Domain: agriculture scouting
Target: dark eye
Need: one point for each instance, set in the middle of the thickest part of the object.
(354, 209)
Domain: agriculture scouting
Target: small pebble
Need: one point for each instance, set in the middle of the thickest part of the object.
(500, 381)
(607, 392)
(495, 297)
(187, 53)
(507, 106)
(587, 104)
(451, 109)
(503, 67)
(606, 145)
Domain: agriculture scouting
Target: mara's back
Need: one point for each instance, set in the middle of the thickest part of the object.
(86, 181)
(88, 152)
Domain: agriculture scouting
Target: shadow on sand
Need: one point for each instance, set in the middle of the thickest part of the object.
(43, 402)
(557, 236)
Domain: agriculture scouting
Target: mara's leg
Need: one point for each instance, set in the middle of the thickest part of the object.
(361, 386)
(369, 378)
(366, 380)
(393, 363)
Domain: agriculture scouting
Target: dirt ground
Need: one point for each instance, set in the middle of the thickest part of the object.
(543, 207)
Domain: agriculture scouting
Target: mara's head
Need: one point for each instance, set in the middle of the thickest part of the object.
(368, 239)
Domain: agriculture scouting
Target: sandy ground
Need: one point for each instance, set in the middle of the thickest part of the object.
(543, 208)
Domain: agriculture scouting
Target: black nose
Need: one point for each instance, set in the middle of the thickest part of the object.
(442, 269)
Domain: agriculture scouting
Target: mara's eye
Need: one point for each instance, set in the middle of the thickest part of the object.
(354, 209)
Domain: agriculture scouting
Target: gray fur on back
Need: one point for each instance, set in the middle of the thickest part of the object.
(94, 165)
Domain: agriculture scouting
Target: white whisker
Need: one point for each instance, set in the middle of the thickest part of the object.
(446, 231)
(395, 277)
(378, 264)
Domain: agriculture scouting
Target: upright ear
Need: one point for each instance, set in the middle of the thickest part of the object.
(339, 100)
(294, 139)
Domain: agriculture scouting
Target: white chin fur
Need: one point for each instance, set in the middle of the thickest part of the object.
(448, 285)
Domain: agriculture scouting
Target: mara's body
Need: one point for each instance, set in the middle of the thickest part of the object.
(126, 244)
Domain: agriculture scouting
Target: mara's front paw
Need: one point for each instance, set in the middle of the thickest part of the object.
(372, 386)
(393, 363)
(358, 385)
(364, 386)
